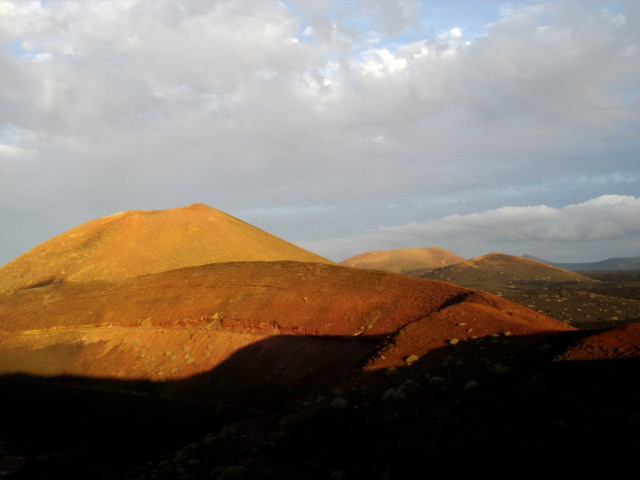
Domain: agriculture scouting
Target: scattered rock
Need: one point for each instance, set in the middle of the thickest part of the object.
(471, 385)
(411, 359)
(502, 369)
(339, 403)
(339, 475)
(229, 473)
(180, 456)
(392, 394)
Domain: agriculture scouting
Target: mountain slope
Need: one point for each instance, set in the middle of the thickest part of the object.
(296, 369)
(202, 315)
(139, 242)
(305, 370)
(622, 263)
(404, 260)
(497, 271)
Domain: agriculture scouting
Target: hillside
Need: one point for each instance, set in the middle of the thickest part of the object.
(138, 242)
(610, 264)
(124, 329)
(498, 271)
(404, 260)
(288, 370)
(594, 301)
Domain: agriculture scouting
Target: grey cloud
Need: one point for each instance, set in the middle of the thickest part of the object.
(512, 229)
(282, 106)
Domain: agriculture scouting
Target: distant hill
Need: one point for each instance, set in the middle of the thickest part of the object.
(497, 271)
(622, 263)
(139, 242)
(404, 260)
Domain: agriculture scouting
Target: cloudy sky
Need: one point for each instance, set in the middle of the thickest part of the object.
(342, 126)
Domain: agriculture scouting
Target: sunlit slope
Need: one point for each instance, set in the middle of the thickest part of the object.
(182, 322)
(498, 270)
(140, 242)
(404, 260)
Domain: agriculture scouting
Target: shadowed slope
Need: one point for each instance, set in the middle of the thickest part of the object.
(404, 260)
(298, 353)
(482, 406)
(139, 242)
(618, 343)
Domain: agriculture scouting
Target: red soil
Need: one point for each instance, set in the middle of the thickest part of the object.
(183, 322)
(617, 343)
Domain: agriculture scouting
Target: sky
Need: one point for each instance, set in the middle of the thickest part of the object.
(342, 126)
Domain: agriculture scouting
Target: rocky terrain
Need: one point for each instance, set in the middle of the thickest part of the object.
(286, 366)
(596, 299)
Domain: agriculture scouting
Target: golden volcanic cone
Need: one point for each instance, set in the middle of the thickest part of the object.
(404, 260)
(138, 242)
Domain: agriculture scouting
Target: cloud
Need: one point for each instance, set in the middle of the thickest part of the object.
(317, 107)
(550, 232)
(602, 218)
(10, 150)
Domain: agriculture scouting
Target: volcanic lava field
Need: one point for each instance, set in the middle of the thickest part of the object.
(185, 343)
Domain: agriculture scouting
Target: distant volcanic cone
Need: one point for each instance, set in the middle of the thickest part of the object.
(138, 242)
(499, 270)
(404, 260)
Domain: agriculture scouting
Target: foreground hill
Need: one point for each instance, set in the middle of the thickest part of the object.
(182, 322)
(288, 370)
(404, 260)
(139, 242)
(498, 271)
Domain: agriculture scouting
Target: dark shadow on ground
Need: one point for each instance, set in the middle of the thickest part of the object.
(497, 406)
(104, 427)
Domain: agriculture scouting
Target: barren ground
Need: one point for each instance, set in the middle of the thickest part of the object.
(581, 299)
(331, 373)
(613, 302)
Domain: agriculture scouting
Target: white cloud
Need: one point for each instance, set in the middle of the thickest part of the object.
(381, 63)
(551, 232)
(161, 104)
(10, 150)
